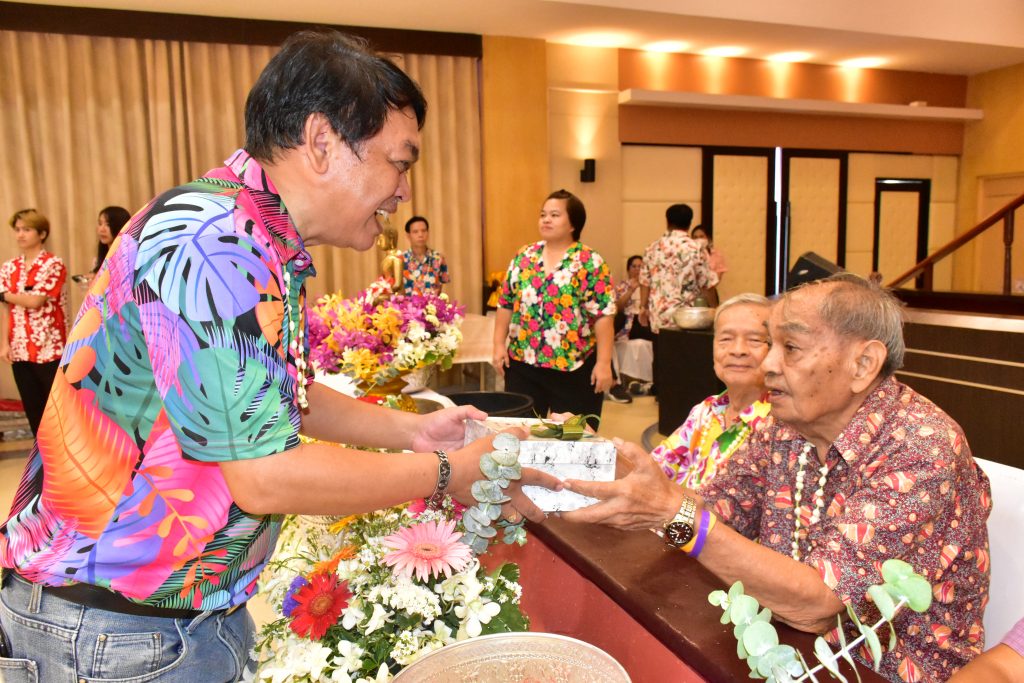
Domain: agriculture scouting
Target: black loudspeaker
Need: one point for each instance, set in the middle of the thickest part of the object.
(808, 268)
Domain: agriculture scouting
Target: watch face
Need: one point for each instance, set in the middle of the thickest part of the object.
(678, 533)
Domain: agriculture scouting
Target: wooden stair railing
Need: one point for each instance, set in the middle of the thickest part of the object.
(924, 269)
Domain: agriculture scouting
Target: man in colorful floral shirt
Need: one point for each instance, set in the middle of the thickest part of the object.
(675, 271)
(169, 447)
(850, 469)
(424, 270)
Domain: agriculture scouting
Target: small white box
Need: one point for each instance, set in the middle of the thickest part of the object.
(589, 459)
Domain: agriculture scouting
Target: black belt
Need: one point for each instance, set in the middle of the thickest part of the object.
(89, 595)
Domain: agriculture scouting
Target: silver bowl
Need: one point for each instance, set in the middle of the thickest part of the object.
(502, 657)
(694, 317)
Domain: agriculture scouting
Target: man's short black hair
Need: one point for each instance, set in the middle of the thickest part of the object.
(330, 73)
(679, 216)
(574, 209)
(416, 219)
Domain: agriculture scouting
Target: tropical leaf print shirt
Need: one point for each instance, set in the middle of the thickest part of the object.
(676, 270)
(178, 361)
(426, 275)
(901, 484)
(36, 335)
(553, 314)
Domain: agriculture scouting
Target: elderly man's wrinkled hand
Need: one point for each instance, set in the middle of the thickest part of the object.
(642, 499)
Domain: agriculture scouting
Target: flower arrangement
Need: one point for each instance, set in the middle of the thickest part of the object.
(368, 595)
(377, 335)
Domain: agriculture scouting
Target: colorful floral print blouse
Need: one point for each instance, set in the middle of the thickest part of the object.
(553, 315)
(676, 270)
(36, 335)
(694, 452)
(178, 361)
(426, 275)
(901, 483)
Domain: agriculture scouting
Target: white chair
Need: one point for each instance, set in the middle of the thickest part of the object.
(1005, 531)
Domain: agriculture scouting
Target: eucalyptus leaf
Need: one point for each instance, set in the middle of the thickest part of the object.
(506, 442)
(883, 601)
(505, 458)
(507, 473)
(874, 645)
(487, 491)
(717, 598)
(736, 590)
(744, 608)
(894, 570)
(827, 658)
(490, 468)
(487, 532)
(760, 637)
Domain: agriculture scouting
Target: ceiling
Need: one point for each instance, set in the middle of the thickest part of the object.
(940, 36)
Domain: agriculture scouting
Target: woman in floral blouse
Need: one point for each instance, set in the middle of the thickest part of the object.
(32, 288)
(554, 333)
(719, 425)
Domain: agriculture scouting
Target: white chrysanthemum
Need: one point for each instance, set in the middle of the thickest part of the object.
(561, 277)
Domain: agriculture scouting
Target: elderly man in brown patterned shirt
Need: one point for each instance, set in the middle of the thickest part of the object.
(850, 469)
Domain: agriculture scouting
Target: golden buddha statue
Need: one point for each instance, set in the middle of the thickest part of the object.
(391, 264)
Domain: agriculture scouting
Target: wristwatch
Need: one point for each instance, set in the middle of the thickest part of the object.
(680, 529)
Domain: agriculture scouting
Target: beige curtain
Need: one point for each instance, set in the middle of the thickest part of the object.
(88, 122)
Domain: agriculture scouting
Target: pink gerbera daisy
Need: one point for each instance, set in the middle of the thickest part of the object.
(428, 549)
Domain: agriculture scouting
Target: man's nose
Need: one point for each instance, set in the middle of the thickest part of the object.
(404, 192)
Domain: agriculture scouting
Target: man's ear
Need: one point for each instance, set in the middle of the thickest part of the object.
(318, 137)
(868, 359)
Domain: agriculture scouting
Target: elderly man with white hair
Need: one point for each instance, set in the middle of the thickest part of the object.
(850, 469)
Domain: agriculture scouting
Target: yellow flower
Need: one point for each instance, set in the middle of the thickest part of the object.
(388, 324)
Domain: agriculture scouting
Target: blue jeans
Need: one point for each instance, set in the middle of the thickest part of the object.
(54, 640)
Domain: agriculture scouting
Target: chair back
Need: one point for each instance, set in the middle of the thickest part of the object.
(1005, 533)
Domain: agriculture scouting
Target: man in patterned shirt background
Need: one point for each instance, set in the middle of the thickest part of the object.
(851, 468)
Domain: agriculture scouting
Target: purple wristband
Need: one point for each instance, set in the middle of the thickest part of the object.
(702, 534)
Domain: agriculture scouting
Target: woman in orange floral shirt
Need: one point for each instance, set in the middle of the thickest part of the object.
(32, 288)
(554, 334)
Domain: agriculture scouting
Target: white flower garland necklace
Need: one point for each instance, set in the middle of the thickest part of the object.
(819, 497)
(296, 339)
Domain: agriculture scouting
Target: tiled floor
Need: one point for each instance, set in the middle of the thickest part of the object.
(627, 421)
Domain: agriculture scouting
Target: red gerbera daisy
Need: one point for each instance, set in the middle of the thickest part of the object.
(319, 604)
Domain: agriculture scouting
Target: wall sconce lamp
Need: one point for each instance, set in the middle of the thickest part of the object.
(589, 171)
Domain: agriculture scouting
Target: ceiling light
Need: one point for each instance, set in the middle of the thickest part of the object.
(789, 57)
(666, 46)
(725, 51)
(863, 63)
(599, 39)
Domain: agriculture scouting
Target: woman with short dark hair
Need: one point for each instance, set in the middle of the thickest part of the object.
(554, 333)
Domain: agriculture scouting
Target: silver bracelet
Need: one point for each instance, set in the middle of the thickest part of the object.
(444, 475)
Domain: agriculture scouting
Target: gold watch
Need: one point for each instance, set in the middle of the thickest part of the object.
(680, 529)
